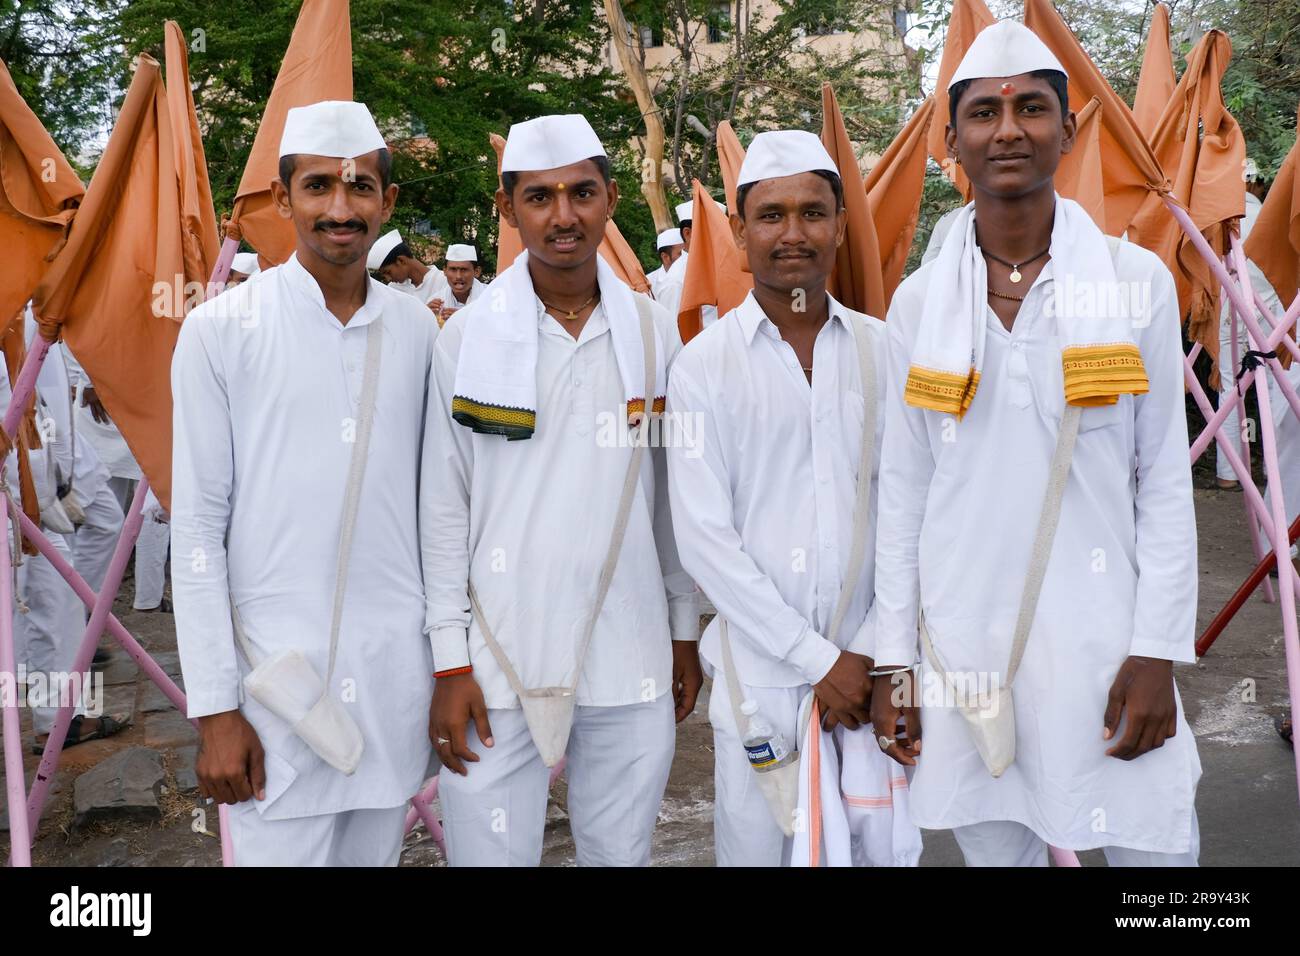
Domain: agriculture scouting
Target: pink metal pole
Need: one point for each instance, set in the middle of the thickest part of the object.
(1282, 548)
(221, 271)
(99, 615)
(20, 834)
(1064, 857)
(26, 383)
(1256, 533)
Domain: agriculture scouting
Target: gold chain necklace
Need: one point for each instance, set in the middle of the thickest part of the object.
(570, 316)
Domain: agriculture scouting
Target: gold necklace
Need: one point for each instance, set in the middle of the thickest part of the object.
(1014, 266)
(570, 316)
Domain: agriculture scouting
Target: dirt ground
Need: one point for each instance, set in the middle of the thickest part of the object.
(1247, 801)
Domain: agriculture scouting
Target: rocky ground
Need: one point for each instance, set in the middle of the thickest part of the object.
(131, 800)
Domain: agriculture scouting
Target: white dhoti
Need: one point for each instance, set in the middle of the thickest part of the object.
(94, 541)
(46, 637)
(151, 555)
(1006, 843)
(617, 766)
(350, 838)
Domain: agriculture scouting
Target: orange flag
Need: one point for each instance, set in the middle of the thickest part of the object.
(39, 195)
(856, 281)
(713, 272)
(120, 287)
(1274, 242)
(893, 189)
(968, 18)
(199, 235)
(317, 66)
(1079, 175)
(1155, 86)
(613, 248)
(1129, 170)
(1201, 144)
(730, 157)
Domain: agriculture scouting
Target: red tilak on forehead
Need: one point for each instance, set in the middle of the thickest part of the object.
(1008, 88)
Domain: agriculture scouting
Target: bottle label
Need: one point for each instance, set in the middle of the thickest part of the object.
(765, 755)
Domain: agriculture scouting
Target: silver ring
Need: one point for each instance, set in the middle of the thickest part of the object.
(443, 740)
(886, 742)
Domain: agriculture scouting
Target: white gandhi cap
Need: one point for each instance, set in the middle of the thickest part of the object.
(669, 238)
(1007, 48)
(382, 247)
(461, 252)
(331, 128)
(550, 142)
(783, 152)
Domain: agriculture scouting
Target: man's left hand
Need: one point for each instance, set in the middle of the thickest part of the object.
(1144, 691)
(688, 678)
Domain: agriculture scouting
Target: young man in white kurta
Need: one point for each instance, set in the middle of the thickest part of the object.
(960, 503)
(763, 498)
(528, 522)
(267, 383)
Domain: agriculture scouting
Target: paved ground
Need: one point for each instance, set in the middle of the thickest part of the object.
(1247, 801)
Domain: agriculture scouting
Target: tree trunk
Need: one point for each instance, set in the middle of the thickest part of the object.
(652, 184)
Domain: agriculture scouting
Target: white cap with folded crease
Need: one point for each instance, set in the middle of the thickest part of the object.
(783, 152)
(683, 209)
(331, 128)
(669, 238)
(382, 247)
(245, 263)
(461, 252)
(550, 142)
(1007, 48)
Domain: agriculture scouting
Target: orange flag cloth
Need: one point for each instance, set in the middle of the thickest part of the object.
(1274, 242)
(1156, 80)
(855, 281)
(39, 195)
(1130, 172)
(713, 272)
(1079, 177)
(317, 66)
(893, 189)
(199, 237)
(967, 19)
(115, 291)
(731, 155)
(1201, 144)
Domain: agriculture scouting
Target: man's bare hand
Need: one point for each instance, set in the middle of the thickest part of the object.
(97, 411)
(894, 698)
(845, 691)
(230, 765)
(1144, 691)
(688, 678)
(457, 701)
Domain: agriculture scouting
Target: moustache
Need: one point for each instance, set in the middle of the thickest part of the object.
(325, 224)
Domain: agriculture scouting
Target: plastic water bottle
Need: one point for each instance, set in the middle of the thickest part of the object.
(764, 745)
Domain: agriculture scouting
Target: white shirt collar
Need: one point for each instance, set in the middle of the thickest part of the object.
(752, 317)
(304, 284)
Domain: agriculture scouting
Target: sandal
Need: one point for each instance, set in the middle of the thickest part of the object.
(108, 726)
(1283, 725)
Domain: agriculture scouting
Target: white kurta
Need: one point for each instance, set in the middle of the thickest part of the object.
(763, 498)
(654, 277)
(959, 505)
(476, 292)
(530, 522)
(104, 437)
(266, 385)
(431, 287)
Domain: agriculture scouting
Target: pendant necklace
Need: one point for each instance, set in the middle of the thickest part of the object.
(1013, 266)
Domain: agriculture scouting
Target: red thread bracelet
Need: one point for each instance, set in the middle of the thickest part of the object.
(454, 671)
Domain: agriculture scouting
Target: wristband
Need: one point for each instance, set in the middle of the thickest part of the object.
(454, 671)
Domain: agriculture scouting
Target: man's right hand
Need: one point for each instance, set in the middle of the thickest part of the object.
(457, 700)
(845, 691)
(230, 765)
(892, 699)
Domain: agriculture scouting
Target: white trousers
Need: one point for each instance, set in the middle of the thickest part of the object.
(617, 766)
(351, 838)
(92, 548)
(744, 831)
(47, 635)
(151, 563)
(1004, 843)
(1227, 386)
